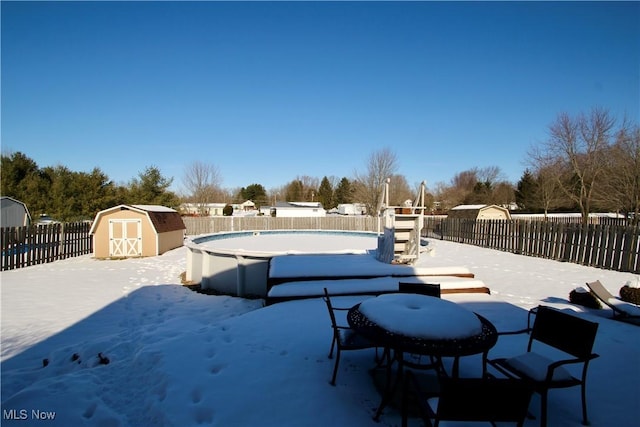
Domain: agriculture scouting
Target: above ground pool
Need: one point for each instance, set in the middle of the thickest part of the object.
(237, 263)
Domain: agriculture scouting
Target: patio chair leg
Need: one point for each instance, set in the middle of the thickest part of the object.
(543, 409)
(585, 421)
(335, 368)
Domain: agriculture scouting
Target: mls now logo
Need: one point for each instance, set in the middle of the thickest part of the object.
(15, 414)
(23, 414)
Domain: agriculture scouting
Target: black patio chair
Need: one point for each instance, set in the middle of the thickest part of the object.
(429, 289)
(570, 334)
(469, 399)
(344, 337)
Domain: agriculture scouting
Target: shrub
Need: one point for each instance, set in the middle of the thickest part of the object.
(585, 299)
(629, 294)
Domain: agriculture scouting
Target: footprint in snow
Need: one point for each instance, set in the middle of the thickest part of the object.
(215, 369)
(196, 395)
(203, 415)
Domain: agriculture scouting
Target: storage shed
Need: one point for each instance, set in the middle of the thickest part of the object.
(13, 213)
(479, 212)
(126, 231)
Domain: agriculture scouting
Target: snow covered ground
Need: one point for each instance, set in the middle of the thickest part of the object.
(179, 358)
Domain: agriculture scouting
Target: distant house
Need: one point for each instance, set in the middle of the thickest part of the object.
(294, 209)
(202, 209)
(216, 209)
(136, 230)
(14, 213)
(479, 212)
(244, 208)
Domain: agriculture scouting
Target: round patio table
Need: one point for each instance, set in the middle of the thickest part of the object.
(415, 324)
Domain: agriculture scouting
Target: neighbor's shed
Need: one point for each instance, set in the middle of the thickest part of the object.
(136, 230)
(13, 213)
(479, 212)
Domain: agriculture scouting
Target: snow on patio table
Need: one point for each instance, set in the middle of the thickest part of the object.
(421, 316)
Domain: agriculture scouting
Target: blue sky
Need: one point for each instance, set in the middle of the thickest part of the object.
(269, 91)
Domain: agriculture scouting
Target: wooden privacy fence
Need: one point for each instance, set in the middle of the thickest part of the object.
(604, 246)
(39, 244)
(207, 225)
(596, 219)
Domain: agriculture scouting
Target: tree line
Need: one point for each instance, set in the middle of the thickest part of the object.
(589, 163)
(69, 196)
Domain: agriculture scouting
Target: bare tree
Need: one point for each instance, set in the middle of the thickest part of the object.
(202, 182)
(620, 190)
(477, 185)
(503, 194)
(399, 190)
(463, 186)
(465, 181)
(441, 200)
(578, 144)
(381, 165)
(490, 174)
(310, 188)
(548, 194)
(302, 189)
(449, 196)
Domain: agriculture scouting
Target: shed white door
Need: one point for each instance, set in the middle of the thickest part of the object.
(125, 237)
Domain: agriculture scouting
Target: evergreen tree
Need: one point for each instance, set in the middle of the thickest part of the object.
(62, 197)
(75, 196)
(525, 193)
(325, 194)
(254, 192)
(344, 192)
(151, 188)
(481, 194)
(35, 193)
(16, 169)
(95, 191)
(68, 196)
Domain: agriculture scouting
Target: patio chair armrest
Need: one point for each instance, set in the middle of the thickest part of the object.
(553, 366)
(573, 360)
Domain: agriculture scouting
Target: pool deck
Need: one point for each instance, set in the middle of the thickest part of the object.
(285, 265)
(305, 276)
